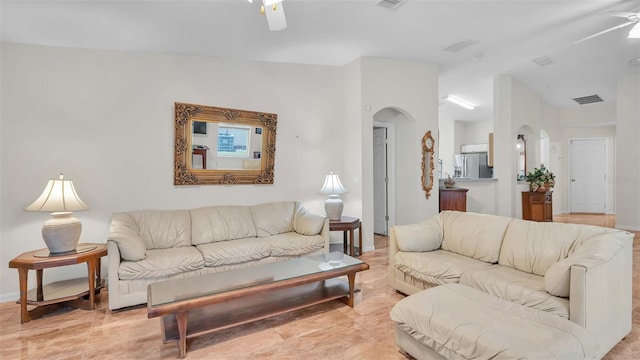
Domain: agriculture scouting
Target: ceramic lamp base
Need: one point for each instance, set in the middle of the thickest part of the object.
(333, 207)
(61, 234)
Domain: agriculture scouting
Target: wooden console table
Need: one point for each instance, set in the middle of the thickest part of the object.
(348, 224)
(51, 297)
(453, 199)
(537, 206)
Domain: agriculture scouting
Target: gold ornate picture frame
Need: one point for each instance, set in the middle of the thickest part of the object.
(261, 170)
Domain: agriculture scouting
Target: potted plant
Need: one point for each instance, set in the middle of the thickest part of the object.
(541, 179)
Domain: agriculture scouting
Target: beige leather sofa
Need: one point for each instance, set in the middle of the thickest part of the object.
(152, 245)
(509, 288)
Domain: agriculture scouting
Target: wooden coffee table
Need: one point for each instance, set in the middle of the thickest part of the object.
(199, 305)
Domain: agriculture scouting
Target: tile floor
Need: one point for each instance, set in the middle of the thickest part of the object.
(327, 331)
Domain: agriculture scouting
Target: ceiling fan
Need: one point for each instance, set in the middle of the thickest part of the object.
(632, 18)
(274, 11)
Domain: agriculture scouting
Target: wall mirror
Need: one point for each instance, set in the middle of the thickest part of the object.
(427, 163)
(521, 148)
(216, 145)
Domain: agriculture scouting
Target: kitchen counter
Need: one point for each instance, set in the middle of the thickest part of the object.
(461, 180)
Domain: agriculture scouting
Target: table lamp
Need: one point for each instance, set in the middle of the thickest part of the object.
(61, 234)
(333, 187)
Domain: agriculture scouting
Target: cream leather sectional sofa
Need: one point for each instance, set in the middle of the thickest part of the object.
(499, 287)
(151, 245)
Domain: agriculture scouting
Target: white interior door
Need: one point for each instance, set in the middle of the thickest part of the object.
(588, 175)
(380, 180)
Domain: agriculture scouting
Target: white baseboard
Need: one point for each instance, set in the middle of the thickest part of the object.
(368, 248)
(627, 227)
(9, 297)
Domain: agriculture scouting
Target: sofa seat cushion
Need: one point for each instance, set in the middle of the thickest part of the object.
(294, 244)
(517, 286)
(234, 251)
(437, 267)
(161, 263)
(220, 223)
(459, 322)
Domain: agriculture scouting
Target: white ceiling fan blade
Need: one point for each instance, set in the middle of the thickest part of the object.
(604, 32)
(622, 14)
(275, 18)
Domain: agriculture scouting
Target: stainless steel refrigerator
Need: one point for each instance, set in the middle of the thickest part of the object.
(473, 166)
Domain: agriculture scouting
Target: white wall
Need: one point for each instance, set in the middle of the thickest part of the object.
(105, 119)
(628, 150)
(411, 88)
(473, 132)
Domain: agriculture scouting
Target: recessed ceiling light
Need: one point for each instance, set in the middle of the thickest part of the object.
(390, 4)
(459, 45)
(477, 57)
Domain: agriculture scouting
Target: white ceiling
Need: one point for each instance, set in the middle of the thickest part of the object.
(509, 34)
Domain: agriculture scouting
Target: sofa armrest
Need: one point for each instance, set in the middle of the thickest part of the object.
(600, 297)
(113, 264)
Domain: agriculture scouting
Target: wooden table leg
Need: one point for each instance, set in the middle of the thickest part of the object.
(351, 236)
(344, 242)
(39, 292)
(360, 236)
(24, 313)
(352, 284)
(91, 265)
(181, 319)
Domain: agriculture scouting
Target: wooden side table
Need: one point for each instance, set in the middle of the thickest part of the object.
(52, 296)
(537, 206)
(453, 199)
(350, 224)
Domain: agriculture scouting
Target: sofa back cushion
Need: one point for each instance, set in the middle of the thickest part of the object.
(478, 236)
(219, 223)
(273, 218)
(162, 229)
(533, 247)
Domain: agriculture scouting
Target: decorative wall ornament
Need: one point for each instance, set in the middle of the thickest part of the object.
(256, 170)
(428, 143)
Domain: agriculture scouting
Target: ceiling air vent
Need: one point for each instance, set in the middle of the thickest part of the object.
(390, 4)
(543, 61)
(588, 99)
(459, 45)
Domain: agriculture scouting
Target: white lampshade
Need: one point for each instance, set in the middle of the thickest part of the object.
(333, 187)
(61, 234)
